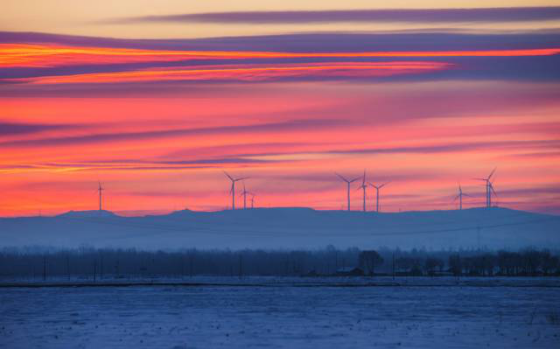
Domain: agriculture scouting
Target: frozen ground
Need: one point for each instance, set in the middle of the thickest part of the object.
(281, 315)
(257, 281)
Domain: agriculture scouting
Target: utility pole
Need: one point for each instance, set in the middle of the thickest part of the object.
(478, 236)
(117, 272)
(44, 268)
(335, 261)
(68, 266)
(191, 263)
(94, 270)
(101, 267)
(393, 265)
(240, 266)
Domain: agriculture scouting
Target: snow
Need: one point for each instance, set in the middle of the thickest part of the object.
(284, 313)
(288, 228)
(87, 214)
(285, 281)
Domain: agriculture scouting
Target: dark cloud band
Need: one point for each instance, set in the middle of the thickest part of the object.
(507, 14)
(314, 42)
(8, 129)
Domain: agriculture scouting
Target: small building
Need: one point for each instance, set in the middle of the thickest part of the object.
(350, 271)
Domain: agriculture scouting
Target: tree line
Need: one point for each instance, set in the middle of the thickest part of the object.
(99, 264)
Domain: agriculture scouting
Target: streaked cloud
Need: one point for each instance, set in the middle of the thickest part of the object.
(9, 128)
(337, 88)
(175, 132)
(434, 40)
(253, 73)
(61, 60)
(504, 14)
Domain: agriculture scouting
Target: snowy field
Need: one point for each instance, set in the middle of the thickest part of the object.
(282, 314)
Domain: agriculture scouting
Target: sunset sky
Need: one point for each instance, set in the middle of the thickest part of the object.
(156, 99)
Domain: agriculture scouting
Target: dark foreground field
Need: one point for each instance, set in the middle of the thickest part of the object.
(286, 313)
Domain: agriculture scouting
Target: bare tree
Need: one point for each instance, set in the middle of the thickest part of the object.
(368, 259)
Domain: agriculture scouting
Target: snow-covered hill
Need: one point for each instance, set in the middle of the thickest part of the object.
(279, 228)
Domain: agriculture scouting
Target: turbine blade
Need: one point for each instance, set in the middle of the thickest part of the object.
(239, 179)
(231, 178)
(492, 173)
(493, 191)
(355, 179)
(341, 177)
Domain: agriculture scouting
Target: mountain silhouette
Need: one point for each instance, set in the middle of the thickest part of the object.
(288, 228)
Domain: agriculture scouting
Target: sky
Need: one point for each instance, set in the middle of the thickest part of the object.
(156, 99)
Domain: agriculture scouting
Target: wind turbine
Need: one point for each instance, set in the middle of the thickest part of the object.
(348, 182)
(460, 196)
(253, 200)
(232, 190)
(364, 186)
(489, 188)
(491, 185)
(100, 190)
(244, 194)
(377, 188)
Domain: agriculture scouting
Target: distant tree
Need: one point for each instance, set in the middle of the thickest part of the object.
(550, 263)
(531, 260)
(431, 264)
(33, 263)
(441, 265)
(488, 263)
(403, 264)
(509, 263)
(503, 261)
(368, 259)
(455, 264)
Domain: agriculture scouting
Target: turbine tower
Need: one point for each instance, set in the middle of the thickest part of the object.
(348, 182)
(489, 188)
(491, 185)
(460, 196)
(244, 194)
(377, 188)
(364, 186)
(232, 190)
(253, 200)
(100, 190)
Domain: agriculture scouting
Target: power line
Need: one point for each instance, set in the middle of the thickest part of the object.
(262, 233)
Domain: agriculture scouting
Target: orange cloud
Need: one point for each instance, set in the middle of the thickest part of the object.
(249, 73)
(24, 55)
(431, 135)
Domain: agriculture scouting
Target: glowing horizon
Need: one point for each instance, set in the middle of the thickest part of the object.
(156, 111)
